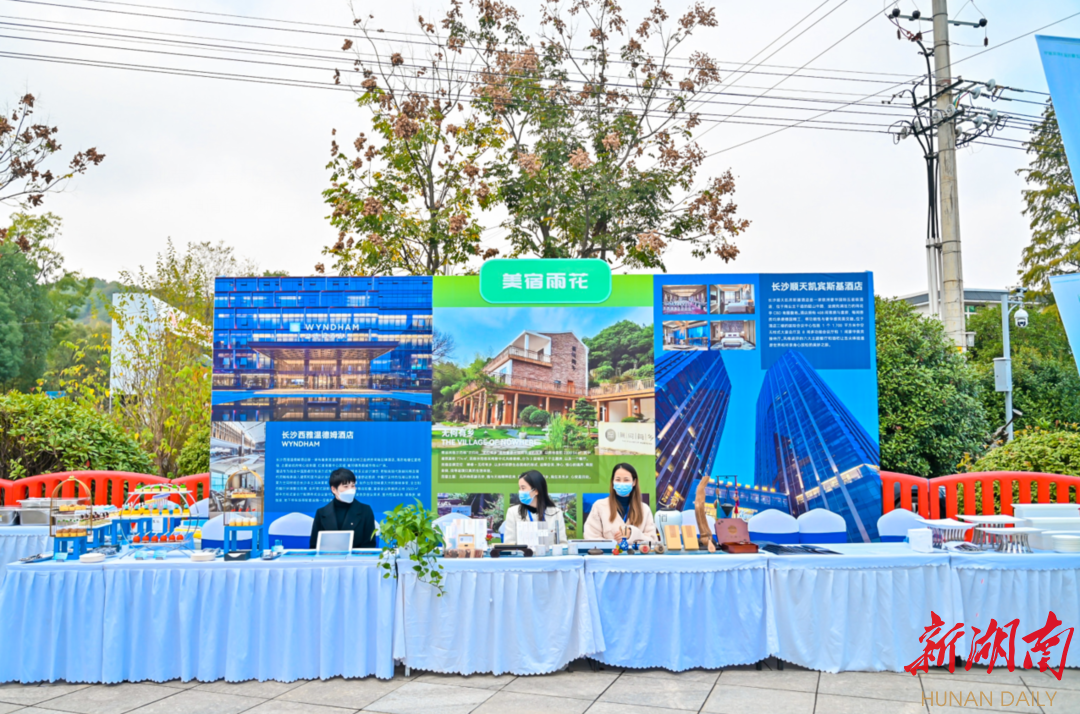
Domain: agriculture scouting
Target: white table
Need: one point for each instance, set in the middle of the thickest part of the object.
(681, 611)
(498, 615)
(863, 610)
(1006, 587)
(17, 542)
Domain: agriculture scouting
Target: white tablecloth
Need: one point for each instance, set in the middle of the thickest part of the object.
(20, 541)
(680, 611)
(862, 610)
(51, 628)
(511, 614)
(1006, 587)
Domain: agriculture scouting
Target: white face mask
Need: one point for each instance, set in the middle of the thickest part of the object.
(346, 496)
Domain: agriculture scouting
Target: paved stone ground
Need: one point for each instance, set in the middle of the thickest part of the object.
(579, 690)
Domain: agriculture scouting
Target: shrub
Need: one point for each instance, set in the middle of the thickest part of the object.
(539, 417)
(1034, 450)
(195, 456)
(39, 435)
(630, 420)
(526, 414)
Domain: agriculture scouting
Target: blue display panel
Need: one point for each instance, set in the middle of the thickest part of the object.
(319, 373)
(768, 382)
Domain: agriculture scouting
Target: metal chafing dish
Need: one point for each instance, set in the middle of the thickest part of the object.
(1009, 540)
(947, 530)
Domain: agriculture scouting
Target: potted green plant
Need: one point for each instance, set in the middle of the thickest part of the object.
(409, 531)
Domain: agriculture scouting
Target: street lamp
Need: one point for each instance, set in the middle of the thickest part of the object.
(1003, 364)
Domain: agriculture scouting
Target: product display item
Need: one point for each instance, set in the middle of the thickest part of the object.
(672, 538)
(690, 537)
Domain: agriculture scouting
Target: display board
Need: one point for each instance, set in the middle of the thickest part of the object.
(446, 389)
(313, 374)
(767, 385)
(544, 383)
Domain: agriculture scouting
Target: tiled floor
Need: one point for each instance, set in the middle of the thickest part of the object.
(579, 690)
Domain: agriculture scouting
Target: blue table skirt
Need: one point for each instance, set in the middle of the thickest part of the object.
(516, 615)
(51, 628)
(1005, 587)
(680, 612)
(282, 620)
(863, 610)
(20, 541)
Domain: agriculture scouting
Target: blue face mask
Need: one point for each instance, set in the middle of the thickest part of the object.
(525, 497)
(624, 489)
(346, 496)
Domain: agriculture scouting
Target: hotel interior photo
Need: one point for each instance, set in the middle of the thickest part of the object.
(686, 335)
(686, 300)
(732, 299)
(734, 335)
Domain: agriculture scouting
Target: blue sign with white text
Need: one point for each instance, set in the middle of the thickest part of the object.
(767, 384)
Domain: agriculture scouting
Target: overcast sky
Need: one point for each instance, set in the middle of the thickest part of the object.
(199, 159)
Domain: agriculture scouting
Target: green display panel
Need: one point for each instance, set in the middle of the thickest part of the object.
(561, 386)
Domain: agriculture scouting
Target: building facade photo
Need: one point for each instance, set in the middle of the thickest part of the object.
(692, 395)
(546, 370)
(812, 448)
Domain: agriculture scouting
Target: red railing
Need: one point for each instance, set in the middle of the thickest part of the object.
(977, 492)
(106, 487)
(907, 483)
(964, 485)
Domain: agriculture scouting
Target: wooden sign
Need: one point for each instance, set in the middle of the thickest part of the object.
(689, 536)
(671, 535)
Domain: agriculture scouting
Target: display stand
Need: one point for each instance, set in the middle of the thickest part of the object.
(242, 506)
(71, 521)
(157, 518)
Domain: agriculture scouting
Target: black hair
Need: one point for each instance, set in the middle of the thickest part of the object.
(536, 480)
(341, 477)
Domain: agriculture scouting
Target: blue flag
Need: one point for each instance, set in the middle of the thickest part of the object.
(1061, 63)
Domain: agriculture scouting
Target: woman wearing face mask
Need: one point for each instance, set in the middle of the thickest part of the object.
(622, 514)
(535, 506)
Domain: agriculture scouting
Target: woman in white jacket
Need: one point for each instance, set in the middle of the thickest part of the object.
(622, 514)
(535, 506)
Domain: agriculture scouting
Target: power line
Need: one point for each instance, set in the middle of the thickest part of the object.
(870, 96)
(215, 74)
(878, 110)
(815, 57)
(394, 32)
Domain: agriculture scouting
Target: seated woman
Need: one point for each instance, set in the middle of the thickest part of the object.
(622, 514)
(536, 505)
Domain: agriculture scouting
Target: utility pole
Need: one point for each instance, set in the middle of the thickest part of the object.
(1003, 365)
(941, 124)
(952, 269)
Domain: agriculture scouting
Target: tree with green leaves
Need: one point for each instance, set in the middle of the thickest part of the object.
(620, 347)
(600, 114)
(55, 299)
(406, 198)
(160, 357)
(26, 320)
(930, 410)
(1052, 208)
(585, 411)
(1046, 384)
(39, 435)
